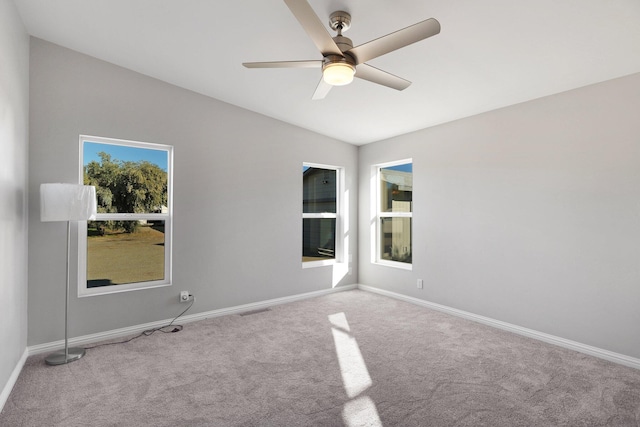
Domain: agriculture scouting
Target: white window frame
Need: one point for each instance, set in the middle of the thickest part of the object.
(83, 290)
(338, 217)
(376, 242)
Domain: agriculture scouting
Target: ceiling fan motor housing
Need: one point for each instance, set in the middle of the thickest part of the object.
(340, 21)
(337, 59)
(344, 43)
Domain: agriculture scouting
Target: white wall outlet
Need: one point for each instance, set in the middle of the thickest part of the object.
(184, 296)
(420, 283)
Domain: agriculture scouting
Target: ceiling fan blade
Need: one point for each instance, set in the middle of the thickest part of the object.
(285, 64)
(322, 90)
(394, 41)
(375, 75)
(313, 26)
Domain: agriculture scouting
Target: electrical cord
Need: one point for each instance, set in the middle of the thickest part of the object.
(149, 332)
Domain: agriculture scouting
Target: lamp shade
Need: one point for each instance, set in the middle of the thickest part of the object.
(67, 202)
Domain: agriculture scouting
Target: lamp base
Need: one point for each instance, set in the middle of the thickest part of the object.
(61, 358)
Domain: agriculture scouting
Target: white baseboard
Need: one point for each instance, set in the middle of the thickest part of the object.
(117, 333)
(541, 336)
(6, 391)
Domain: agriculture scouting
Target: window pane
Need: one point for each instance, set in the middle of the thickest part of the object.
(116, 256)
(319, 190)
(396, 188)
(318, 239)
(395, 239)
(127, 179)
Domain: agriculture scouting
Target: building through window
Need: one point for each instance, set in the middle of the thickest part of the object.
(394, 213)
(319, 214)
(128, 246)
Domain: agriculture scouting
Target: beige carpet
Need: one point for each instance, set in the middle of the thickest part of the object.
(347, 359)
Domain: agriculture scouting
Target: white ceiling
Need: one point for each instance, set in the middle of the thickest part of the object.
(489, 54)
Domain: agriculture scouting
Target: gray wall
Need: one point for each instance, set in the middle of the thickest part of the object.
(237, 193)
(528, 215)
(14, 111)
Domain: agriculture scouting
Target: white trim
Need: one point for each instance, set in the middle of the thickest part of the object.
(319, 263)
(124, 142)
(541, 336)
(13, 378)
(132, 216)
(396, 214)
(320, 215)
(117, 333)
(395, 264)
(394, 163)
(127, 287)
(319, 166)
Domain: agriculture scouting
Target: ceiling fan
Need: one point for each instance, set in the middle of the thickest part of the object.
(341, 61)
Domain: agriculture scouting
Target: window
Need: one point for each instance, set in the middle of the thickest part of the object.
(128, 246)
(319, 214)
(394, 214)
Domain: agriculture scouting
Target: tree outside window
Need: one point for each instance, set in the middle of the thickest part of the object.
(128, 246)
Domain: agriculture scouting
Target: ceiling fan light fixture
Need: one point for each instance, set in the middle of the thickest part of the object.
(340, 58)
(338, 73)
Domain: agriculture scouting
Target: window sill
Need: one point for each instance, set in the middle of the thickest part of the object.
(320, 263)
(115, 289)
(394, 264)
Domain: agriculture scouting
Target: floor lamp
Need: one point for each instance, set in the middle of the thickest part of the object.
(67, 202)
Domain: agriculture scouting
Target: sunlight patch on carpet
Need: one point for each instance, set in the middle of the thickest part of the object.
(360, 410)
